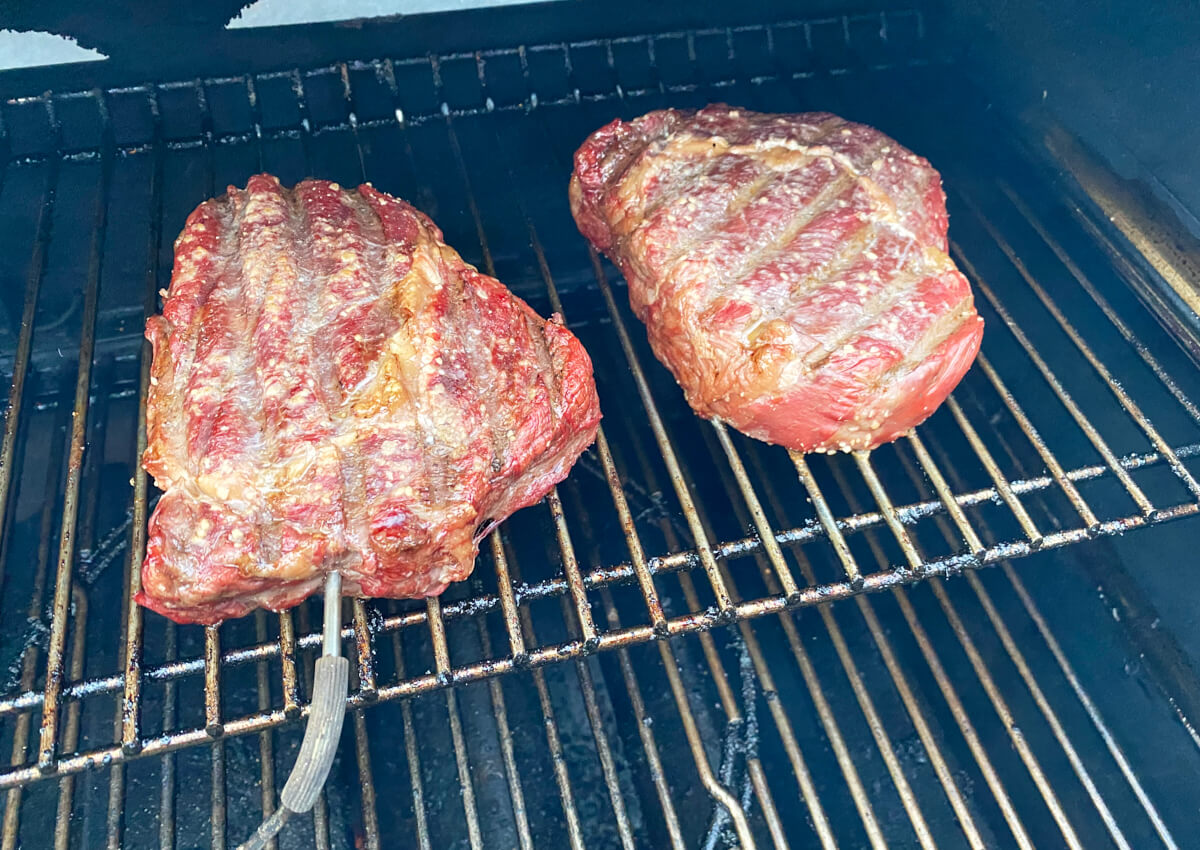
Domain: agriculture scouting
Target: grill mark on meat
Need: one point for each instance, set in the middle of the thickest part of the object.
(266, 377)
(934, 336)
(545, 373)
(470, 395)
(332, 244)
(692, 170)
(354, 463)
(228, 368)
(183, 308)
(351, 294)
(811, 282)
(689, 240)
(379, 318)
(709, 158)
(847, 253)
(779, 241)
(937, 334)
(414, 381)
(484, 376)
(879, 303)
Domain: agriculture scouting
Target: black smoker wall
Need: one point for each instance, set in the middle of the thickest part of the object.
(1124, 75)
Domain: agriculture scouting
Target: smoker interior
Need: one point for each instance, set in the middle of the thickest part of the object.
(1041, 701)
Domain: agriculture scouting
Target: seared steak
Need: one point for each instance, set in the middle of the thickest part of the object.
(791, 269)
(333, 388)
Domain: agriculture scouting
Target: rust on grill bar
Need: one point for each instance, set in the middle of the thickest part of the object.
(55, 674)
(961, 712)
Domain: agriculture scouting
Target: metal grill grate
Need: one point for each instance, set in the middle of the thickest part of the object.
(669, 526)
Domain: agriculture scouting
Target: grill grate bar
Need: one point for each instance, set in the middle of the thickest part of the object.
(949, 693)
(55, 674)
(1059, 390)
(1035, 689)
(287, 657)
(762, 670)
(368, 687)
(116, 808)
(508, 601)
(1001, 707)
(1093, 713)
(1101, 302)
(213, 726)
(116, 783)
(441, 654)
(825, 515)
(936, 759)
(130, 706)
(915, 561)
(70, 737)
(783, 725)
(166, 813)
(500, 712)
(366, 783)
(1056, 470)
(636, 553)
(962, 718)
(1131, 407)
(463, 761)
(219, 816)
(16, 393)
(1039, 697)
(587, 625)
(437, 634)
(600, 738)
(554, 743)
(616, 488)
(412, 753)
(993, 469)
(9, 837)
(716, 668)
(266, 742)
(678, 482)
(974, 544)
(765, 532)
(833, 732)
(644, 728)
(696, 743)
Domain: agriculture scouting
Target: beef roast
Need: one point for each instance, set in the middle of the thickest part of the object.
(791, 269)
(333, 388)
